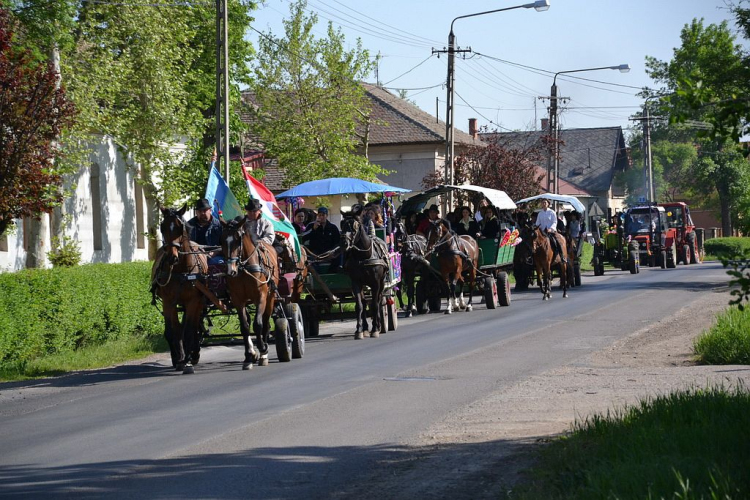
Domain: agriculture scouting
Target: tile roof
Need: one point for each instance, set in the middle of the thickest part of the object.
(397, 121)
(589, 157)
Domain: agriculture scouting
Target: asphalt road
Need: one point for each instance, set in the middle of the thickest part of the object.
(314, 427)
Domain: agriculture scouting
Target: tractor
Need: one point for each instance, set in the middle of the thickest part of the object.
(614, 247)
(689, 249)
(648, 226)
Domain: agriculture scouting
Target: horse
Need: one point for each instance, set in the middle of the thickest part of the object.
(413, 248)
(252, 275)
(457, 256)
(545, 258)
(173, 280)
(365, 261)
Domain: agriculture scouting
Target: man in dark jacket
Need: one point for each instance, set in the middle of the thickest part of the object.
(323, 236)
(205, 229)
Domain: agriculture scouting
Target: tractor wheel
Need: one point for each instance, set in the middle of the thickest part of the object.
(662, 259)
(672, 257)
(633, 263)
(686, 252)
(503, 288)
(694, 254)
(577, 273)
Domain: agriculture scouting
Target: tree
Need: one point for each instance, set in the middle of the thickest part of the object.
(33, 110)
(504, 164)
(699, 80)
(309, 103)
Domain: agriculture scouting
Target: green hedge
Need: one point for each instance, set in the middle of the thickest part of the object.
(46, 311)
(727, 247)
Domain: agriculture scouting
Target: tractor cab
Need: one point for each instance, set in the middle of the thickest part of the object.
(649, 226)
(689, 248)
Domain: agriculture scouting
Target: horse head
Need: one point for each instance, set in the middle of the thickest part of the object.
(539, 240)
(173, 230)
(232, 234)
(436, 232)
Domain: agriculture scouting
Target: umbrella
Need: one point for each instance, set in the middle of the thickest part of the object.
(339, 185)
(574, 202)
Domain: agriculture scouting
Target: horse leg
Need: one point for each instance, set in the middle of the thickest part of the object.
(259, 326)
(564, 280)
(251, 355)
(171, 327)
(472, 279)
(267, 314)
(358, 309)
(451, 297)
(190, 320)
(377, 301)
(409, 280)
(540, 276)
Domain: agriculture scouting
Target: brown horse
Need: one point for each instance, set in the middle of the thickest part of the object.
(458, 258)
(252, 275)
(545, 258)
(178, 265)
(293, 264)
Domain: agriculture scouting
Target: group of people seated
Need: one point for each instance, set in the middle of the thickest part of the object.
(462, 221)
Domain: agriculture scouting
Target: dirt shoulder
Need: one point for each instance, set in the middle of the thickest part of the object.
(482, 450)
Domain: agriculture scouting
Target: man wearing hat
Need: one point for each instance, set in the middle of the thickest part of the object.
(323, 236)
(258, 228)
(205, 229)
(432, 215)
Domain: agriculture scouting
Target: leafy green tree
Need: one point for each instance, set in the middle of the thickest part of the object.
(701, 75)
(310, 111)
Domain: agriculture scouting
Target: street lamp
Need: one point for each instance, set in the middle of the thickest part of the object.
(553, 167)
(539, 6)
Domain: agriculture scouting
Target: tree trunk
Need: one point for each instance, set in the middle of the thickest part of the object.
(726, 217)
(36, 254)
(152, 214)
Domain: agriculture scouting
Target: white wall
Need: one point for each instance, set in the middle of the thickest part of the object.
(116, 210)
(409, 164)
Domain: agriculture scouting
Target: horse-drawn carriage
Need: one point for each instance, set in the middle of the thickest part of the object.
(367, 269)
(433, 267)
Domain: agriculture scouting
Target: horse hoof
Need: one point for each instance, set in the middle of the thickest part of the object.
(448, 311)
(247, 366)
(408, 314)
(358, 336)
(469, 308)
(263, 360)
(188, 369)
(374, 335)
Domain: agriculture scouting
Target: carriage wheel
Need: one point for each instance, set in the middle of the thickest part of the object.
(503, 288)
(297, 329)
(490, 292)
(522, 278)
(312, 323)
(283, 340)
(392, 316)
(577, 273)
(598, 267)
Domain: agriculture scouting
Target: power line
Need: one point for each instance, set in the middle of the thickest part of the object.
(480, 114)
(412, 69)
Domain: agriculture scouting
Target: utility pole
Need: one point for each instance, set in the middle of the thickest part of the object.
(449, 126)
(553, 158)
(648, 170)
(222, 87)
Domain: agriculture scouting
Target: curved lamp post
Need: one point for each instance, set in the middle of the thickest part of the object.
(539, 6)
(553, 185)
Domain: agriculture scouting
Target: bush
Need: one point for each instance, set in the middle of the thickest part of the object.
(65, 252)
(728, 341)
(727, 248)
(46, 311)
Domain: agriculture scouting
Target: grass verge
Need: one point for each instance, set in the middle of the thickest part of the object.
(728, 341)
(86, 358)
(687, 445)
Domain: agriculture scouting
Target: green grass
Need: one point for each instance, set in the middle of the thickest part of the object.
(728, 341)
(686, 445)
(586, 255)
(86, 358)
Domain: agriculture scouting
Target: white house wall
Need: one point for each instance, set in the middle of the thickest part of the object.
(115, 209)
(409, 164)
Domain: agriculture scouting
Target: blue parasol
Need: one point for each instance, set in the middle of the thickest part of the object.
(339, 185)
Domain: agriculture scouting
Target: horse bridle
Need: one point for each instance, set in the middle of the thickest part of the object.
(357, 227)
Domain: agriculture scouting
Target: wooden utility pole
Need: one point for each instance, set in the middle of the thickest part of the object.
(222, 87)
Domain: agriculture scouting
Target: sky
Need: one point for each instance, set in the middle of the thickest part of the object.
(492, 83)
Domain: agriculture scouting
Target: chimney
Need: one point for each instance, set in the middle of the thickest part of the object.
(545, 124)
(473, 132)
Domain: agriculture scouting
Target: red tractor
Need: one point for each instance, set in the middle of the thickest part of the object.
(689, 250)
(648, 226)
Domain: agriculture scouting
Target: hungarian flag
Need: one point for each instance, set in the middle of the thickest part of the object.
(271, 210)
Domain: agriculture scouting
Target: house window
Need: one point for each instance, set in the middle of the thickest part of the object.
(4, 242)
(96, 206)
(140, 238)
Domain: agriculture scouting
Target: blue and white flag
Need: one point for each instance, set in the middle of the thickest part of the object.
(221, 198)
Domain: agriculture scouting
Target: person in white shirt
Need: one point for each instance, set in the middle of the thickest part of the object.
(546, 220)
